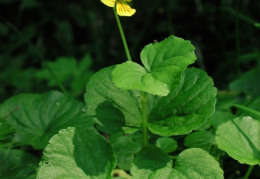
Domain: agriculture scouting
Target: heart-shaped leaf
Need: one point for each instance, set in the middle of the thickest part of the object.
(186, 107)
(77, 153)
(164, 63)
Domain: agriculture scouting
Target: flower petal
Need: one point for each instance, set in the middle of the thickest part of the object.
(124, 9)
(110, 3)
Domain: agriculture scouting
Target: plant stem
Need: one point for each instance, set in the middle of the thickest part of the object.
(122, 35)
(249, 170)
(144, 119)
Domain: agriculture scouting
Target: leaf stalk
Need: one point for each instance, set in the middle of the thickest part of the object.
(144, 119)
(122, 35)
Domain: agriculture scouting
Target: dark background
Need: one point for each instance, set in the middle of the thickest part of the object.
(223, 32)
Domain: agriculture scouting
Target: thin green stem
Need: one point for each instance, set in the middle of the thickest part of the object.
(249, 170)
(122, 35)
(144, 119)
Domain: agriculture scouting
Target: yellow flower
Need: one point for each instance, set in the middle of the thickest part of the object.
(122, 8)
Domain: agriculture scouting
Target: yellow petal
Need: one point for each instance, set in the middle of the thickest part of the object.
(124, 9)
(110, 3)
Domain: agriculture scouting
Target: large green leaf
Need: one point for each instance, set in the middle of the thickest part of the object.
(186, 107)
(17, 164)
(113, 107)
(77, 153)
(37, 118)
(240, 138)
(191, 163)
(164, 63)
(149, 159)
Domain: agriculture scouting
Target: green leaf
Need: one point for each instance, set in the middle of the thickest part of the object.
(191, 163)
(130, 75)
(124, 148)
(240, 139)
(250, 111)
(37, 118)
(111, 106)
(149, 159)
(186, 107)
(167, 145)
(6, 130)
(247, 83)
(68, 71)
(220, 117)
(77, 153)
(164, 63)
(17, 164)
(201, 139)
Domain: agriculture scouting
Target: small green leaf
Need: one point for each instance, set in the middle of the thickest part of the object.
(167, 145)
(124, 148)
(17, 164)
(149, 159)
(191, 163)
(186, 107)
(164, 63)
(111, 105)
(37, 118)
(77, 153)
(240, 139)
(201, 139)
(130, 75)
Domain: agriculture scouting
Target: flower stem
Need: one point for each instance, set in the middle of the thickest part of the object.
(249, 170)
(122, 35)
(144, 119)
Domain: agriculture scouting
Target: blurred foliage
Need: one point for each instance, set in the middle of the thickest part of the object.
(224, 33)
